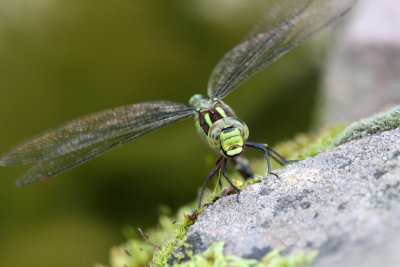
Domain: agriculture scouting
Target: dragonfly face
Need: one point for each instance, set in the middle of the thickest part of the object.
(229, 135)
(217, 125)
(288, 24)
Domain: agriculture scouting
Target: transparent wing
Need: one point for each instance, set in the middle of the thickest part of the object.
(285, 26)
(80, 140)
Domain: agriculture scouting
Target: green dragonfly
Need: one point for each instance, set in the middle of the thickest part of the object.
(285, 26)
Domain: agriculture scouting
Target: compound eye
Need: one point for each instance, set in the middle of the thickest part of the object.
(214, 133)
(244, 131)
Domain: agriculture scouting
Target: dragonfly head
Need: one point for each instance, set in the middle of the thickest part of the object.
(228, 135)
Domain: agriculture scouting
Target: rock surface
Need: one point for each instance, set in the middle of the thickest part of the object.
(345, 203)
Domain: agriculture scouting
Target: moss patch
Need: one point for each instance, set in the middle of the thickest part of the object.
(381, 122)
(158, 242)
(214, 256)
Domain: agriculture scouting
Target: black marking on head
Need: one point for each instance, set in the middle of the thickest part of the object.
(228, 129)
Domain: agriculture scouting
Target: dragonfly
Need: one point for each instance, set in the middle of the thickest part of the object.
(286, 25)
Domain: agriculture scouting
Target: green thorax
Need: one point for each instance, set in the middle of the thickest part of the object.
(218, 126)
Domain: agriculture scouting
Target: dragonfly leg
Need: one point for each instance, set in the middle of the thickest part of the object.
(217, 167)
(269, 152)
(219, 181)
(241, 164)
(275, 154)
(229, 181)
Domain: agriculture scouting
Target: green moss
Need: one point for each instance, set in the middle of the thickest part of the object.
(139, 251)
(214, 257)
(326, 140)
(309, 145)
(383, 121)
(275, 259)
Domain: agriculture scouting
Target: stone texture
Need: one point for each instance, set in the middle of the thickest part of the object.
(345, 203)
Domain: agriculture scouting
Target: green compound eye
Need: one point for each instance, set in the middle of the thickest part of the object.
(195, 99)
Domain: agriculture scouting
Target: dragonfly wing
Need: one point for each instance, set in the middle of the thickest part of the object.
(47, 168)
(285, 26)
(79, 140)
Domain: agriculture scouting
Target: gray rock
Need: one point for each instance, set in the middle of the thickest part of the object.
(345, 203)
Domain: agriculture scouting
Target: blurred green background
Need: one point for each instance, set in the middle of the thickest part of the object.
(63, 59)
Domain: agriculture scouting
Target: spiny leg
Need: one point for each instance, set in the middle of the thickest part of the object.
(229, 181)
(274, 157)
(217, 167)
(263, 147)
(269, 152)
(274, 153)
(241, 164)
(219, 180)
